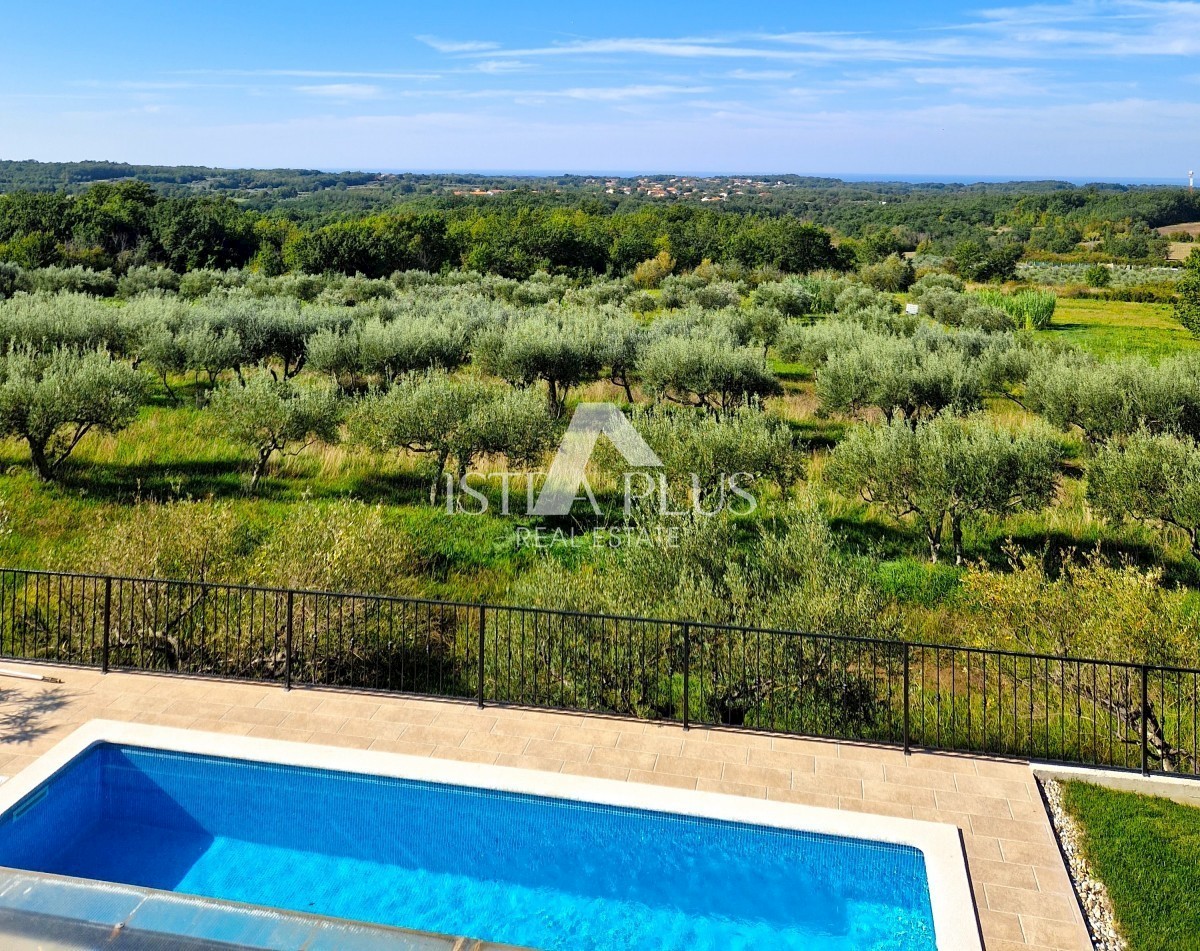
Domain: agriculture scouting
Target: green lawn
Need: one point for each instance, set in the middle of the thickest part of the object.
(1147, 852)
(1116, 328)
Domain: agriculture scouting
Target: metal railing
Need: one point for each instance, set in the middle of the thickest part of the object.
(941, 697)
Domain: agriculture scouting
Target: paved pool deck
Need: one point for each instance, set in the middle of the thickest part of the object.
(1022, 891)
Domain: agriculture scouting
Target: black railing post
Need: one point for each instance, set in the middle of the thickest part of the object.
(1145, 720)
(687, 676)
(107, 626)
(907, 702)
(287, 643)
(481, 648)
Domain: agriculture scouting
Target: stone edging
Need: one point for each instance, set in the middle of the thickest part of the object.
(1093, 896)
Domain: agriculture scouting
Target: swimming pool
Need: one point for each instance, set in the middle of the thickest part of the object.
(490, 858)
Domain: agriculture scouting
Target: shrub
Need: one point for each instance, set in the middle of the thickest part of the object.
(1097, 275)
(144, 280)
(894, 274)
(651, 273)
(70, 280)
(786, 571)
(1084, 608)
(788, 298)
(10, 277)
(50, 322)
(1187, 307)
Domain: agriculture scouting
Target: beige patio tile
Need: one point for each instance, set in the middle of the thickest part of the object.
(623, 759)
(407, 747)
(731, 788)
(1005, 873)
(803, 797)
(718, 751)
(345, 740)
(847, 768)
(495, 743)
(1059, 935)
(689, 766)
(563, 752)
(586, 736)
(792, 762)
(897, 809)
(1012, 829)
(343, 707)
(257, 716)
(993, 787)
(756, 776)
(526, 761)
(923, 778)
(651, 743)
(595, 770)
(1041, 851)
(313, 723)
(973, 805)
(1030, 902)
(912, 796)
(998, 926)
(662, 779)
(465, 755)
(438, 736)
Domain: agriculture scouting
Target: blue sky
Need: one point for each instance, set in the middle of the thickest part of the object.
(1087, 90)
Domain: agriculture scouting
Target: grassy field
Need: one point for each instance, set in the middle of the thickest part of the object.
(1147, 852)
(1116, 329)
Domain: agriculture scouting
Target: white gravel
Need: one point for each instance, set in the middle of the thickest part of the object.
(1093, 896)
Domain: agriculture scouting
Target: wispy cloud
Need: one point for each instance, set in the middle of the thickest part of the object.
(455, 46)
(760, 75)
(342, 91)
(501, 66)
(312, 74)
(618, 93)
(1120, 28)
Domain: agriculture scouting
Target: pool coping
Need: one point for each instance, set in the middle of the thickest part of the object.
(956, 926)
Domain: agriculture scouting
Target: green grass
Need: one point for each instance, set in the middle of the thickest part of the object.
(1117, 329)
(1147, 852)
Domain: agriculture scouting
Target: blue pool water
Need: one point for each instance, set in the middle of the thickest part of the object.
(523, 870)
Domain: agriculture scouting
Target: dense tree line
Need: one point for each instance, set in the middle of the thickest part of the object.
(129, 224)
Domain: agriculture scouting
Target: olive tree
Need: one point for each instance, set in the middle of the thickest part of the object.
(706, 371)
(1114, 398)
(274, 417)
(901, 378)
(943, 471)
(383, 351)
(453, 420)
(706, 450)
(1149, 478)
(211, 350)
(541, 348)
(621, 342)
(52, 400)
